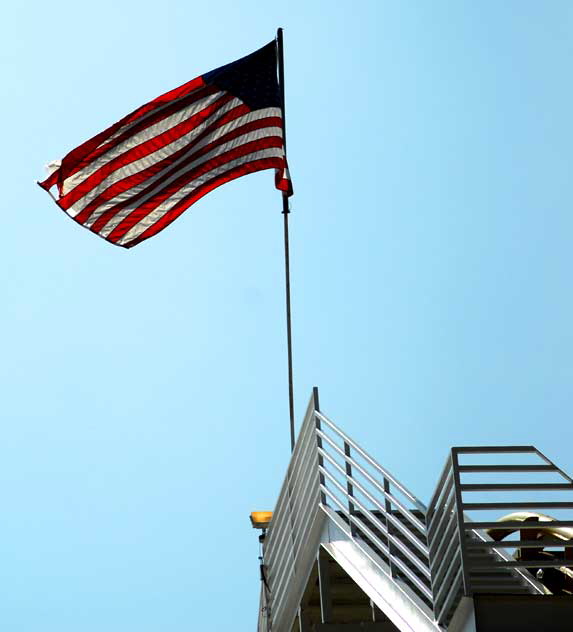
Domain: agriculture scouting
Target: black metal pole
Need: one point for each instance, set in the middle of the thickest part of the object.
(285, 213)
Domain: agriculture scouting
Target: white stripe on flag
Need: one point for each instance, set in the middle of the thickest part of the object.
(157, 214)
(143, 117)
(147, 161)
(114, 221)
(141, 137)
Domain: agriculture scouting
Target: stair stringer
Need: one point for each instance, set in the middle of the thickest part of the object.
(369, 572)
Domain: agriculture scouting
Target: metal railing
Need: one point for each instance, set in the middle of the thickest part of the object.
(294, 516)
(445, 545)
(330, 475)
(377, 509)
(464, 557)
(434, 556)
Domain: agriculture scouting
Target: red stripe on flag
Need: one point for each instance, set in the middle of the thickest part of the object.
(139, 126)
(77, 155)
(232, 174)
(129, 182)
(140, 151)
(147, 207)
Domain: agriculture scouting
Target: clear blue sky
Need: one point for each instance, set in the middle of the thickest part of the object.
(144, 398)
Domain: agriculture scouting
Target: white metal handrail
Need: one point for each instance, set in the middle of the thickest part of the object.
(329, 470)
(411, 517)
(295, 510)
(383, 472)
(382, 528)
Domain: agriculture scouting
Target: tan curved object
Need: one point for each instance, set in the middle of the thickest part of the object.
(564, 533)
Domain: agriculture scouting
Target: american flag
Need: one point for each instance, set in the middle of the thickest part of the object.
(136, 177)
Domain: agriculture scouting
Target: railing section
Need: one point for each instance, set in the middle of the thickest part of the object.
(329, 474)
(293, 518)
(471, 550)
(445, 546)
(377, 509)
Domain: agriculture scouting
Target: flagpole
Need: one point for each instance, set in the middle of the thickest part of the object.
(285, 213)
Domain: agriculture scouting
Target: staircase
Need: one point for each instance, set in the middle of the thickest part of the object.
(350, 548)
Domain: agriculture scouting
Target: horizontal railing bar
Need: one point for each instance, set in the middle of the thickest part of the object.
(521, 544)
(524, 564)
(550, 462)
(447, 577)
(494, 449)
(381, 527)
(445, 496)
(284, 497)
(440, 526)
(302, 536)
(280, 522)
(279, 593)
(276, 580)
(448, 601)
(285, 502)
(278, 599)
(359, 525)
(516, 524)
(493, 487)
(419, 504)
(277, 560)
(507, 468)
(277, 516)
(304, 507)
(303, 498)
(449, 554)
(275, 556)
(308, 458)
(277, 572)
(302, 501)
(282, 510)
(306, 449)
(411, 536)
(416, 522)
(445, 473)
(445, 549)
(437, 574)
(304, 438)
(308, 472)
(450, 533)
(372, 536)
(281, 533)
(301, 491)
(288, 554)
(523, 505)
(307, 426)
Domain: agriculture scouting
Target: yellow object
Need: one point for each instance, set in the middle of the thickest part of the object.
(261, 519)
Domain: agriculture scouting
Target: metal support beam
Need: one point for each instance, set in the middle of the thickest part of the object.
(303, 620)
(459, 505)
(324, 588)
(349, 486)
(316, 405)
(377, 614)
(388, 507)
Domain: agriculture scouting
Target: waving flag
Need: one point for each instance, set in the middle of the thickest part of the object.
(133, 179)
